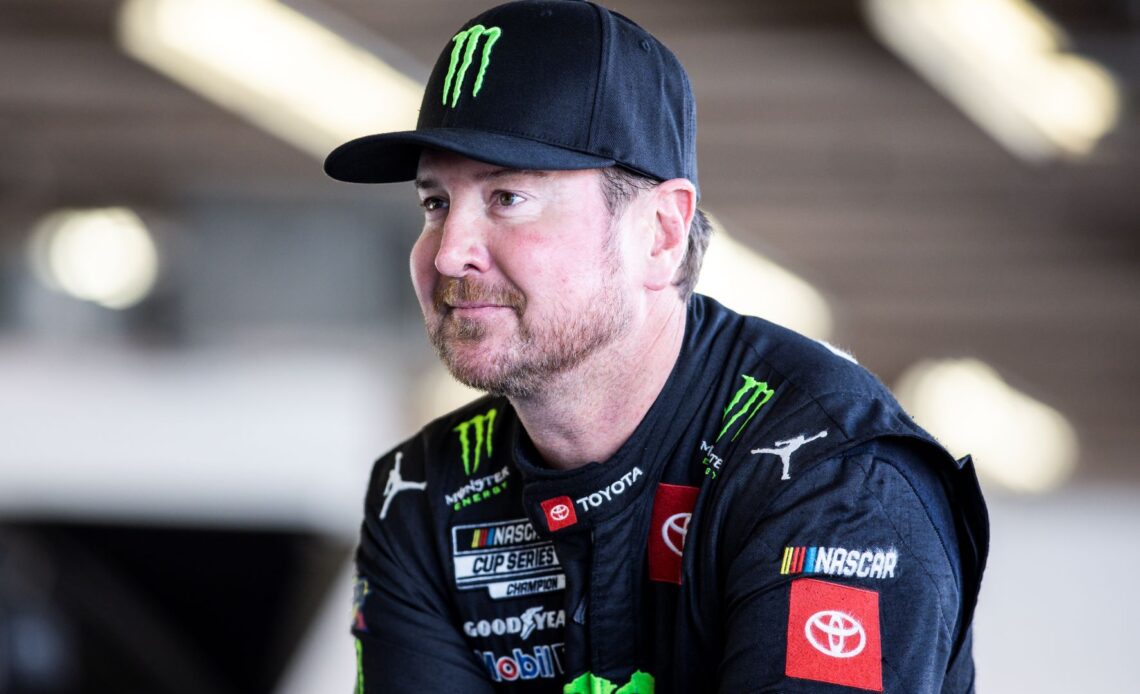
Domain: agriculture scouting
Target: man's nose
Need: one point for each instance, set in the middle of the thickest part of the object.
(463, 245)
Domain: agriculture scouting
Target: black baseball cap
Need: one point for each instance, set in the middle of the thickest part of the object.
(544, 84)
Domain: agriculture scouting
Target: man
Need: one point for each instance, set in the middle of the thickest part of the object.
(658, 494)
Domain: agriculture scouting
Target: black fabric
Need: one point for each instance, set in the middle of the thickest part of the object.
(533, 609)
(566, 85)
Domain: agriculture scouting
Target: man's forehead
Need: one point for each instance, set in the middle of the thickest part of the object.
(437, 166)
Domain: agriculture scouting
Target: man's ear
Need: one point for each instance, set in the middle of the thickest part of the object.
(674, 204)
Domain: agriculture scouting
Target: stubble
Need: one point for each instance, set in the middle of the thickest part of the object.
(538, 351)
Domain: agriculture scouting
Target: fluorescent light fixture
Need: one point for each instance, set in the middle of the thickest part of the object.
(272, 65)
(1007, 67)
(1017, 442)
(749, 283)
(104, 255)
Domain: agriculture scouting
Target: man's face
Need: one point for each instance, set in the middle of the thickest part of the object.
(519, 273)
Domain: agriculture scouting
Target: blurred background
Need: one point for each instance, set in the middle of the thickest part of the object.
(204, 342)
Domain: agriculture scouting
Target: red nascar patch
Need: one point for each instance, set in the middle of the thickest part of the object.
(672, 509)
(833, 635)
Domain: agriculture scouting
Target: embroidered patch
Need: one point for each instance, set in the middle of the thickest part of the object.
(507, 557)
(784, 449)
(396, 484)
(833, 635)
(672, 509)
(840, 561)
(559, 512)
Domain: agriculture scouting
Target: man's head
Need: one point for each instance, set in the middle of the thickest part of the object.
(555, 159)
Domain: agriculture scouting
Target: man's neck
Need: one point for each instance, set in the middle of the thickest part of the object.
(588, 413)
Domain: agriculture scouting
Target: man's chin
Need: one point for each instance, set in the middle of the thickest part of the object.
(491, 381)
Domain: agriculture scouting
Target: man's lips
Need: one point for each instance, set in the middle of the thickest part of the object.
(475, 305)
(473, 309)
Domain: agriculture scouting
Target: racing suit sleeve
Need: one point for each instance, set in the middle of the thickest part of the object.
(406, 638)
(849, 580)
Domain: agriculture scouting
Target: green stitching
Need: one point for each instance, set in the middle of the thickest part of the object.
(758, 388)
(484, 426)
(493, 35)
(469, 39)
(359, 667)
(589, 683)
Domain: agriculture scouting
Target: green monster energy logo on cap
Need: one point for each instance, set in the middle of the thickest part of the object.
(639, 683)
(752, 388)
(465, 44)
(484, 427)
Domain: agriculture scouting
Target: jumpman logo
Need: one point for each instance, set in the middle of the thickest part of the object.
(395, 485)
(785, 449)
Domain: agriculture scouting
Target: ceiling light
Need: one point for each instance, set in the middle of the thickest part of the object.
(1007, 67)
(273, 65)
(105, 255)
(743, 280)
(1016, 441)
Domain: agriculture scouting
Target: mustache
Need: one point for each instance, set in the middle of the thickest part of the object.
(453, 291)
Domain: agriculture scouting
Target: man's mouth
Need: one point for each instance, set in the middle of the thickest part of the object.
(471, 305)
(476, 310)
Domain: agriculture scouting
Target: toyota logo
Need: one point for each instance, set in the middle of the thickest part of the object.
(560, 512)
(675, 526)
(835, 634)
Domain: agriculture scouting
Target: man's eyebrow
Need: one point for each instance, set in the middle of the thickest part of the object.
(490, 174)
(506, 173)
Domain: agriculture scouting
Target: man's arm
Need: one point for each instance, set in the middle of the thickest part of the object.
(848, 581)
(406, 638)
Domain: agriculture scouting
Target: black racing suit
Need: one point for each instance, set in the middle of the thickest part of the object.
(829, 544)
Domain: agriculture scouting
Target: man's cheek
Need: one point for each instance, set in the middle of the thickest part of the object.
(424, 275)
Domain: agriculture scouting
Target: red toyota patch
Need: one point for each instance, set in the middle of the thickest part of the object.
(833, 635)
(559, 512)
(672, 509)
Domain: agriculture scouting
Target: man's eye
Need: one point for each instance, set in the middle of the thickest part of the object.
(505, 199)
(432, 204)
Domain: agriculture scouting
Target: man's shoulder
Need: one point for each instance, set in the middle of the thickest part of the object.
(482, 420)
(464, 439)
(812, 367)
(786, 402)
(482, 417)
(779, 390)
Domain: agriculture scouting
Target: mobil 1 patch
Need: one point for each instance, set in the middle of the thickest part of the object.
(508, 558)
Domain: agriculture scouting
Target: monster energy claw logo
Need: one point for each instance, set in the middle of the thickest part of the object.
(758, 394)
(484, 427)
(589, 683)
(466, 42)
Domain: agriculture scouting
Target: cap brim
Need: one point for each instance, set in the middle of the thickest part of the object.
(391, 157)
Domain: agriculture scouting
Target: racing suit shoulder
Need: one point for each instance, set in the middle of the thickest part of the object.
(404, 616)
(826, 499)
(855, 561)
